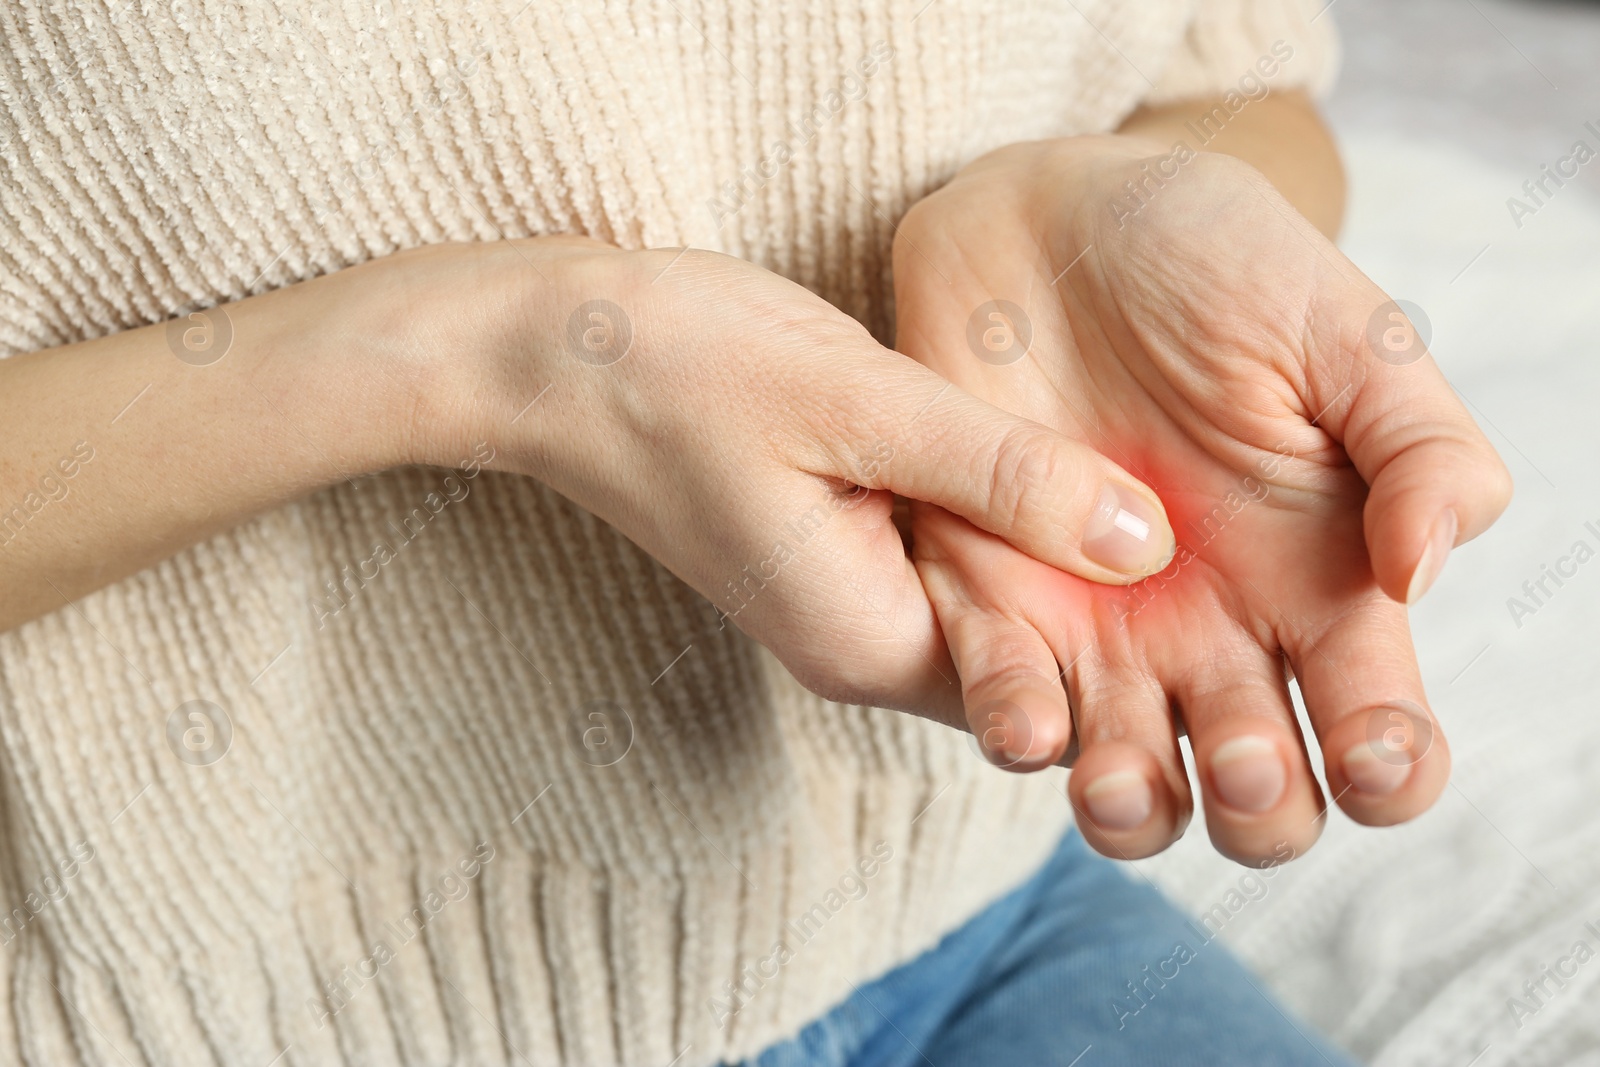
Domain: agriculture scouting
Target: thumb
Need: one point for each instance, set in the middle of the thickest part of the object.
(1434, 479)
(1055, 499)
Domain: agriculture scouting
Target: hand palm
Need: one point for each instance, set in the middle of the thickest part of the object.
(1203, 366)
(1266, 507)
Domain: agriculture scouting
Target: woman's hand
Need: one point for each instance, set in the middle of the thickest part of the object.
(751, 437)
(717, 414)
(1180, 316)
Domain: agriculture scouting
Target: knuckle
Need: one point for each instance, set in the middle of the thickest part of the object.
(1035, 482)
(1007, 663)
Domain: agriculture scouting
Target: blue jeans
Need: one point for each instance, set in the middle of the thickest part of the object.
(1082, 966)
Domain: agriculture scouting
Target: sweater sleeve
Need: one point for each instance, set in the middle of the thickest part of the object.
(1286, 43)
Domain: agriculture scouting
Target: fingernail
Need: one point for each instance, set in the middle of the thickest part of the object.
(1248, 773)
(1023, 738)
(1127, 533)
(1370, 774)
(1008, 734)
(1120, 800)
(1441, 539)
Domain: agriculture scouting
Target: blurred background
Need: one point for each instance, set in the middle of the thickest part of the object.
(1472, 936)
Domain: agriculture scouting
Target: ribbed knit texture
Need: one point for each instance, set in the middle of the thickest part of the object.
(154, 156)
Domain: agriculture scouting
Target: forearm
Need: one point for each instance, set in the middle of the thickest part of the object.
(1281, 135)
(117, 453)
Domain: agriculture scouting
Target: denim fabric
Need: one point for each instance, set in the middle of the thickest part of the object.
(1083, 966)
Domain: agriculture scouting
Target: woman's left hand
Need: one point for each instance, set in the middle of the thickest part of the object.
(1177, 314)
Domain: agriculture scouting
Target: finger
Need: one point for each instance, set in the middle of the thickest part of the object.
(1057, 500)
(1385, 756)
(1016, 706)
(1262, 802)
(1128, 784)
(1435, 480)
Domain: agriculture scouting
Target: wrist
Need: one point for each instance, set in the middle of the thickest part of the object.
(412, 352)
(1039, 172)
(465, 345)
(1084, 183)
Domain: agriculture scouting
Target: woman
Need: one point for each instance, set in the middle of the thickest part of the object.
(317, 752)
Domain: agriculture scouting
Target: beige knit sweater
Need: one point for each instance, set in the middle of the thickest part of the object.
(511, 795)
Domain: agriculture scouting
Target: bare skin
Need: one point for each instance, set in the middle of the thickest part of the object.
(739, 403)
(743, 399)
(1216, 343)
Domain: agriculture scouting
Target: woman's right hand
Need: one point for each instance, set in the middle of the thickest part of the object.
(713, 412)
(722, 418)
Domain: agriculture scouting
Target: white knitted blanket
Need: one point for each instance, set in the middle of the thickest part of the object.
(1413, 945)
